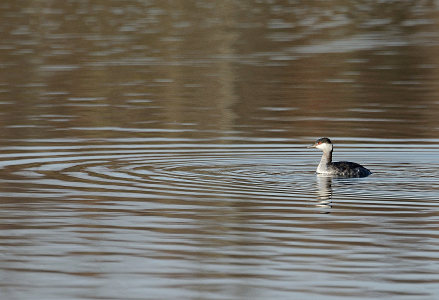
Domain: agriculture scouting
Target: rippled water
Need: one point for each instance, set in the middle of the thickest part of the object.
(194, 218)
(157, 150)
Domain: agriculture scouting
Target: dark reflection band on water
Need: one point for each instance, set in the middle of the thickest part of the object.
(290, 69)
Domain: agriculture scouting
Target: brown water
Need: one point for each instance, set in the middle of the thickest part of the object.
(156, 149)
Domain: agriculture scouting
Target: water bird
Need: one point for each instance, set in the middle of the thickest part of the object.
(340, 168)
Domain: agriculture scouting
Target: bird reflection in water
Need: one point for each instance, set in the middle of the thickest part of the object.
(324, 192)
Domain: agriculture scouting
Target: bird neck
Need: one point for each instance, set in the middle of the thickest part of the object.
(325, 161)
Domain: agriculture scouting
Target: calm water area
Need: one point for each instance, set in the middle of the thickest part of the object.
(157, 149)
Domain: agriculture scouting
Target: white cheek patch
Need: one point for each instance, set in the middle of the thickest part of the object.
(323, 146)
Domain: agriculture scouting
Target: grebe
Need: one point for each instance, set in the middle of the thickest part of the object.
(340, 168)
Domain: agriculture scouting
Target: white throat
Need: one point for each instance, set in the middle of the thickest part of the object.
(326, 160)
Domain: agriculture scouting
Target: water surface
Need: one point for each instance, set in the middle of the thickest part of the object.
(157, 150)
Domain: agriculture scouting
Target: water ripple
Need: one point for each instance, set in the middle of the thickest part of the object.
(239, 211)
